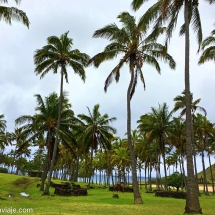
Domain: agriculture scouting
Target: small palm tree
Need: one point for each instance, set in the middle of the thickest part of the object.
(180, 103)
(157, 126)
(136, 51)
(12, 13)
(94, 131)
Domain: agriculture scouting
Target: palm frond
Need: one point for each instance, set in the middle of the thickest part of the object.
(133, 84)
(142, 77)
(207, 55)
(136, 4)
(78, 69)
(154, 35)
(151, 61)
(56, 43)
(208, 41)
(172, 17)
(196, 24)
(11, 13)
(150, 15)
(115, 73)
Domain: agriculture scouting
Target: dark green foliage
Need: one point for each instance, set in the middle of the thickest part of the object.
(3, 170)
(175, 180)
(178, 195)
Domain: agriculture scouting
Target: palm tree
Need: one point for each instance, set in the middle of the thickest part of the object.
(59, 54)
(94, 131)
(203, 129)
(135, 51)
(180, 103)
(121, 159)
(3, 135)
(209, 52)
(12, 13)
(167, 11)
(44, 122)
(178, 140)
(211, 150)
(157, 126)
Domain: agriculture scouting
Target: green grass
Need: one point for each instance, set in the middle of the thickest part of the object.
(98, 201)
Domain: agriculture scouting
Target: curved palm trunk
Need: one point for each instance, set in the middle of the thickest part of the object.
(46, 192)
(192, 200)
(137, 197)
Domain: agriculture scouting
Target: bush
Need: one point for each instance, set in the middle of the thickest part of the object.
(178, 195)
(3, 170)
(175, 180)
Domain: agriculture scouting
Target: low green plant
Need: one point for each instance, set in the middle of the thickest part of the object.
(3, 170)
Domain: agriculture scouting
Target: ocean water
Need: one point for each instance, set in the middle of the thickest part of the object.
(102, 179)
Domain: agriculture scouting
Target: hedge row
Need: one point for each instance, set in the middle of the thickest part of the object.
(178, 195)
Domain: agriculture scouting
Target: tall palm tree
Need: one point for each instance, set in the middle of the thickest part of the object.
(59, 54)
(136, 49)
(167, 11)
(209, 52)
(94, 131)
(12, 13)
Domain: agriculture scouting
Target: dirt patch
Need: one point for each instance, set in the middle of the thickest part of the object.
(22, 182)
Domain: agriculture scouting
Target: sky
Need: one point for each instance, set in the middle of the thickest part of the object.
(19, 83)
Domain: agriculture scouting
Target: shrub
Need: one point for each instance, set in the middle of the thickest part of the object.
(175, 180)
(178, 195)
(3, 170)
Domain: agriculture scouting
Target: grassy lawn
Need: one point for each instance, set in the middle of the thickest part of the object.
(98, 201)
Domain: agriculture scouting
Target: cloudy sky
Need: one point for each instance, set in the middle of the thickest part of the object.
(19, 84)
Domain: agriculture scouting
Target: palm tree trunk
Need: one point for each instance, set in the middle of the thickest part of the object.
(192, 200)
(91, 163)
(212, 178)
(164, 162)
(46, 192)
(146, 182)
(137, 197)
(194, 154)
(45, 171)
(183, 173)
(204, 175)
